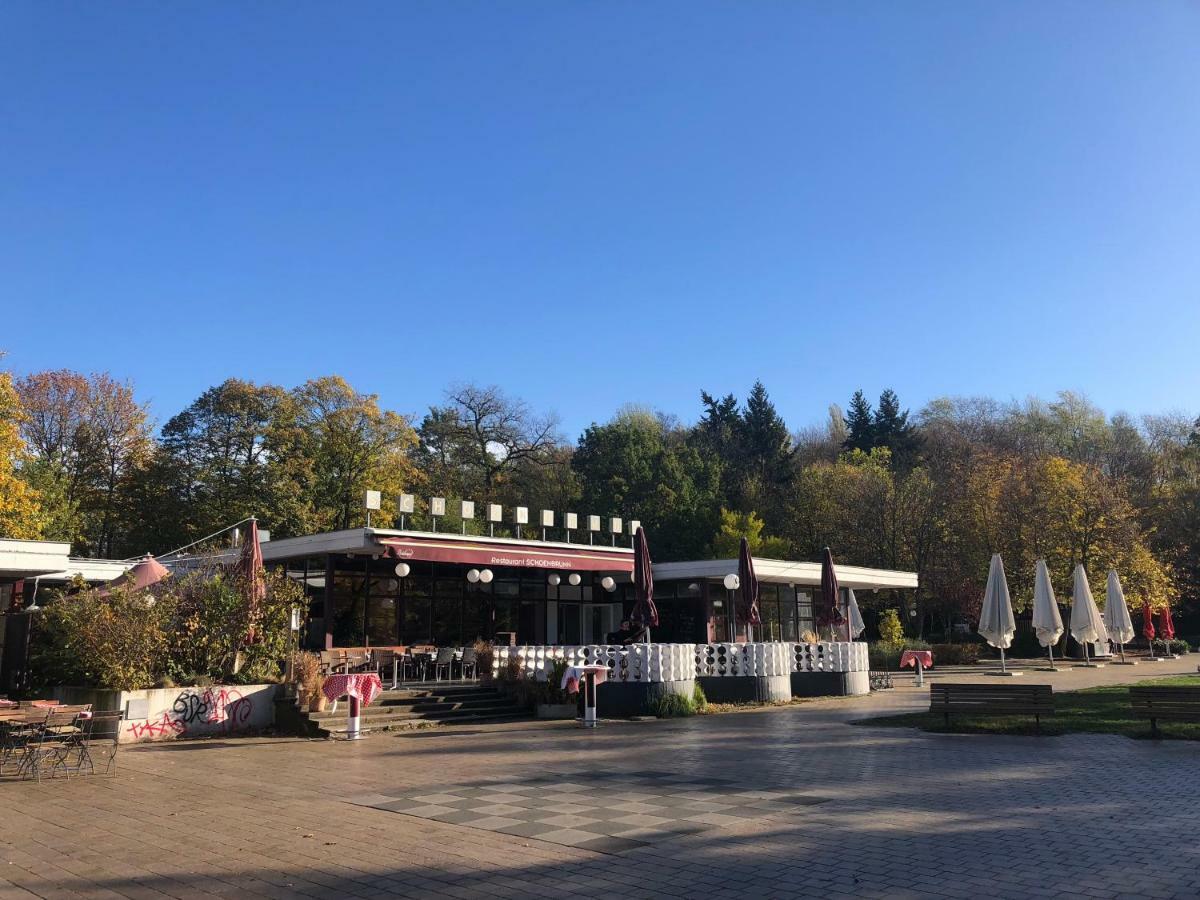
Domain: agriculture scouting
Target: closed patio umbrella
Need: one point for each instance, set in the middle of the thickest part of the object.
(644, 611)
(829, 614)
(1166, 628)
(250, 567)
(1047, 622)
(1148, 628)
(1087, 626)
(996, 623)
(1116, 613)
(747, 590)
(853, 616)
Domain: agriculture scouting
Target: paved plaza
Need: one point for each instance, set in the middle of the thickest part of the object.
(774, 803)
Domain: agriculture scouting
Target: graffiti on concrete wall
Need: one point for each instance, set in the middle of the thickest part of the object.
(216, 710)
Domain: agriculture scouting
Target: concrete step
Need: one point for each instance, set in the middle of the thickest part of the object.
(372, 712)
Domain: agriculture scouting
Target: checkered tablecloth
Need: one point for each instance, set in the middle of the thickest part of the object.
(912, 657)
(366, 686)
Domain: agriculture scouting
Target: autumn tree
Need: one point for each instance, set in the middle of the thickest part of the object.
(20, 511)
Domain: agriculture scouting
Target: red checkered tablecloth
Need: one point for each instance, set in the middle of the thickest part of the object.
(911, 657)
(366, 686)
(575, 674)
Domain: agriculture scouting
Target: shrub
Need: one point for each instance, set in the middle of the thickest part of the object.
(886, 655)
(810, 637)
(1178, 645)
(306, 673)
(955, 654)
(484, 655)
(699, 701)
(673, 706)
(890, 630)
(187, 629)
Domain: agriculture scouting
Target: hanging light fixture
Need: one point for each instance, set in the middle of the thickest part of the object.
(473, 575)
(486, 576)
(608, 583)
(402, 569)
(574, 579)
(554, 580)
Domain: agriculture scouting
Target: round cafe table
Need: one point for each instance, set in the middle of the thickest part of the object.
(361, 688)
(587, 676)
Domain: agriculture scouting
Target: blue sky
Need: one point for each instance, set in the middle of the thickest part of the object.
(607, 202)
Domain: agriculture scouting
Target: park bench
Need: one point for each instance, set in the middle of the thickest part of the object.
(1035, 700)
(1171, 704)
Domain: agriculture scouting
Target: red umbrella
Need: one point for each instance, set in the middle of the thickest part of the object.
(829, 613)
(1147, 622)
(251, 569)
(748, 586)
(1166, 627)
(145, 573)
(644, 611)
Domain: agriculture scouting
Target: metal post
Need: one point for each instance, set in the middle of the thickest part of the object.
(1003, 670)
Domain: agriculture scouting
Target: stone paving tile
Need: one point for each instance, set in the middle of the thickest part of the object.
(904, 814)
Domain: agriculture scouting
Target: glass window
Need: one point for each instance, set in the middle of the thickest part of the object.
(768, 603)
(348, 597)
(804, 610)
(381, 610)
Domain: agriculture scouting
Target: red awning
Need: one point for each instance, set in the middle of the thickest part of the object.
(475, 553)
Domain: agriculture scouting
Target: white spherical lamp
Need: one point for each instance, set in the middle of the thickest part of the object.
(574, 579)
(554, 580)
(608, 584)
(732, 582)
(402, 569)
(486, 576)
(473, 575)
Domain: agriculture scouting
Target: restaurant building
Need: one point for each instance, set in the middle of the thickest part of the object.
(387, 587)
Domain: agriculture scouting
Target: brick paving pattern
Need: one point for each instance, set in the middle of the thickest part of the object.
(908, 814)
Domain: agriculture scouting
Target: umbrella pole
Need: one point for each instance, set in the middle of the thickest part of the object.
(1003, 671)
(1050, 647)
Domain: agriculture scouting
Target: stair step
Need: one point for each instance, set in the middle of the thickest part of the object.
(370, 713)
(467, 720)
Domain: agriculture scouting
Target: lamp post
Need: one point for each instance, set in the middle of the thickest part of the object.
(732, 583)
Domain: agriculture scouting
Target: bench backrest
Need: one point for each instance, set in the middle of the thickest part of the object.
(1033, 697)
(1165, 701)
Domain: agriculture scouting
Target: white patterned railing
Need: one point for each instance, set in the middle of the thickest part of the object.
(678, 662)
(713, 660)
(830, 656)
(634, 662)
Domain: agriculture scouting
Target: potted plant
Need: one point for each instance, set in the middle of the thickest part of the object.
(553, 702)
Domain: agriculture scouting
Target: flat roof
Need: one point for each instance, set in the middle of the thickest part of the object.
(782, 571)
(51, 561)
(367, 540)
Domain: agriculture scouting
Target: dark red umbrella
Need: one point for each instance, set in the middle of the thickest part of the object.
(251, 569)
(829, 614)
(644, 611)
(1166, 627)
(1147, 622)
(748, 586)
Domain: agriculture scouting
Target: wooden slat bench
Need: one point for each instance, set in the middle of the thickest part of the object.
(1171, 704)
(1035, 700)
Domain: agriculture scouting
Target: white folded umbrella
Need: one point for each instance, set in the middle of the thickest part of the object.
(1047, 622)
(1116, 612)
(996, 622)
(1087, 626)
(857, 625)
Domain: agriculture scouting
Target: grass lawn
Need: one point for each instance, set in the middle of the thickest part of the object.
(1102, 710)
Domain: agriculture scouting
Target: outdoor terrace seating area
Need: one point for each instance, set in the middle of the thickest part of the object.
(404, 665)
(45, 738)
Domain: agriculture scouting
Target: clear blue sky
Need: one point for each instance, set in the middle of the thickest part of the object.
(607, 202)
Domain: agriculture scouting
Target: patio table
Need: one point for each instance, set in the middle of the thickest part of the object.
(361, 687)
(589, 676)
(919, 660)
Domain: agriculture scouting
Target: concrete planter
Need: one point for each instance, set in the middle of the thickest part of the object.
(557, 710)
(747, 688)
(830, 684)
(168, 713)
(619, 699)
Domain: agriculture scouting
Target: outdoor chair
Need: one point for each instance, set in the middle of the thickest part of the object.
(48, 749)
(101, 738)
(18, 728)
(388, 660)
(468, 661)
(443, 660)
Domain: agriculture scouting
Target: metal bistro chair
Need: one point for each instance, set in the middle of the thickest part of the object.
(50, 747)
(17, 729)
(443, 660)
(468, 661)
(101, 738)
(388, 659)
